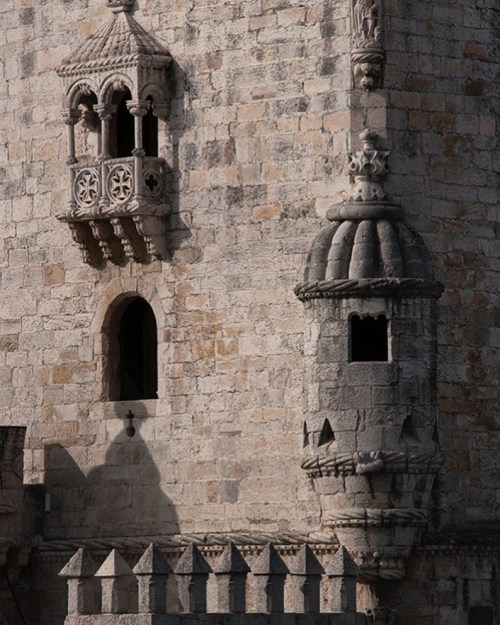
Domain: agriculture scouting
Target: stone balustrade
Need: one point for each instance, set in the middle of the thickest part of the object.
(117, 209)
(117, 187)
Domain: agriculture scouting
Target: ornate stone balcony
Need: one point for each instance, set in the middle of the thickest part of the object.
(116, 209)
(116, 95)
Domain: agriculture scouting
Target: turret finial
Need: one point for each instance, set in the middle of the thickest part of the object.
(117, 6)
(368, 167)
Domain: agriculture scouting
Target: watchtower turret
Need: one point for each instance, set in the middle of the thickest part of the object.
(370, 437)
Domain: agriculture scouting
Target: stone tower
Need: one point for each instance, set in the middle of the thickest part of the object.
(154, 360)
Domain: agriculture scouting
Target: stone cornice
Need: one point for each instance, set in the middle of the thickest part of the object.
(113, 64)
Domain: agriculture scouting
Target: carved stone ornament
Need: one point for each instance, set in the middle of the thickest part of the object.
(117, 207)
(368, 167)
(367, 55)
(119, 5)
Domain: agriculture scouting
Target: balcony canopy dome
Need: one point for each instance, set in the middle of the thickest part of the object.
(120, 40)
(121, 36)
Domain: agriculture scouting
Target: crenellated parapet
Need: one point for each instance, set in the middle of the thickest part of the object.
(114, 590)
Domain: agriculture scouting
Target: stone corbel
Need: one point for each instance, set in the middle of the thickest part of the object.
(153, 230)
(83, 237)
(133, 245)
(108, 242)
(367, 54)
(367, 68)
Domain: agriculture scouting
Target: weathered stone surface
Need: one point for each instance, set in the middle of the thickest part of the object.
(80, 565)
(263, 111)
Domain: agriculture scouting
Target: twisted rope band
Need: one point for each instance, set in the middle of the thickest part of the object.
(365, 287)
(204, 541)
(376, 517)
(379, 461)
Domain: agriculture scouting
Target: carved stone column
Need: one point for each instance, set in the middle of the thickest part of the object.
(105, 112)
(70, 118)
(138, 108)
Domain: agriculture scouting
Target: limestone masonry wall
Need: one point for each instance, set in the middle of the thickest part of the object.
(262, 117)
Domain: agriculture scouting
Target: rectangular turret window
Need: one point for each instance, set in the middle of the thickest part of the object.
(481, 615)
(368, 339)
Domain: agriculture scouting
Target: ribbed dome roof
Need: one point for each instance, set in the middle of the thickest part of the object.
(369, 248)
(120, 36)
(380, 255)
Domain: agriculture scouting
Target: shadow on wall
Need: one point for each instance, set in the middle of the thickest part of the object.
(114, 501)
(178, 231)
(120, 498)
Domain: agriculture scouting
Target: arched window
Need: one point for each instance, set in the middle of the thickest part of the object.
(121, 132)
(136, 376)
(150, 130)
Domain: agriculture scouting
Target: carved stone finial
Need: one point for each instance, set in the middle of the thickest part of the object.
(117, 6)
(368, 166)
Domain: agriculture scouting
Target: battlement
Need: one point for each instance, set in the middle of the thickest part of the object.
(300, 593)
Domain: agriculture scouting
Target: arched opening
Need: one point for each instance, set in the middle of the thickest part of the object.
(87, 130)
(136, 349)
(121, 131)
(150, 131)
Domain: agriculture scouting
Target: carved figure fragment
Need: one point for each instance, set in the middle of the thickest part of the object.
(365, 20)
(367, 55)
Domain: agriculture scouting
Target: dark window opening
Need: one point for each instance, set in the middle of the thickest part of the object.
(369, 340)
(138, 352)
(121, 131)
(150, 131)
(481, 615)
